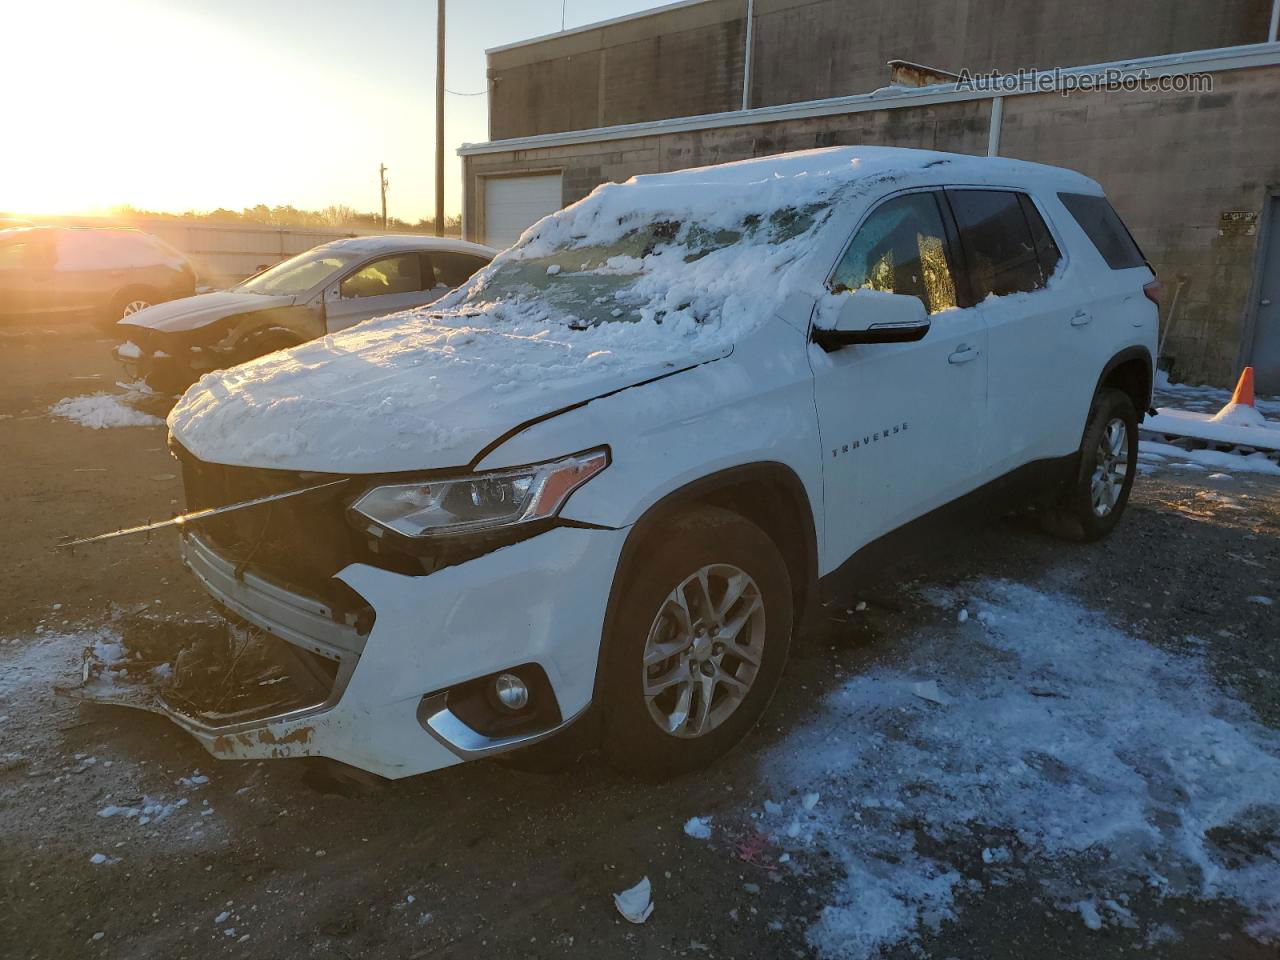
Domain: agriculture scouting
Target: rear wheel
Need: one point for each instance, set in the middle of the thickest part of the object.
(1092, 506)
(697, 645)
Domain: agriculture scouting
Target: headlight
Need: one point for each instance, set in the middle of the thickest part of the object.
(478, 502)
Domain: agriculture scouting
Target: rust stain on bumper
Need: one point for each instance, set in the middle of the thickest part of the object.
(300, 735)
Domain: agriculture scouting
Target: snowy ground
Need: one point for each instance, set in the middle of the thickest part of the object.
(1067, 755)
(101, 411)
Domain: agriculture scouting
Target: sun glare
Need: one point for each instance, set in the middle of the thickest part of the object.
(133, 103)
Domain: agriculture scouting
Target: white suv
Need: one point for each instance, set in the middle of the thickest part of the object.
(617, 469)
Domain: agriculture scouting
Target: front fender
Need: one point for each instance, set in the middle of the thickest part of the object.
(754, 406)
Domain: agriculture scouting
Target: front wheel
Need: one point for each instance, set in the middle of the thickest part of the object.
(1092, 506)
(697, 644)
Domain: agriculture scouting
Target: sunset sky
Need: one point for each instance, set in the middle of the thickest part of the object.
(198, 104)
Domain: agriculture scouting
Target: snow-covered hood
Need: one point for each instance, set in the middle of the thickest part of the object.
(412, 391)
(191, 313)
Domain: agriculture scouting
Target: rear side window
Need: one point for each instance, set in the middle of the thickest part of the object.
(455, 269)
(1003, 253)
(1099, 220)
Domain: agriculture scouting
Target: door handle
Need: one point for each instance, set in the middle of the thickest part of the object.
(964, 353)
(1081, 318)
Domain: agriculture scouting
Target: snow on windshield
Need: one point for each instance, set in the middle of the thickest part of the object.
(586, 280)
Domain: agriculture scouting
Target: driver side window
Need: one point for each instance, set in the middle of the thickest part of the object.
(901, 248)
(390, 275)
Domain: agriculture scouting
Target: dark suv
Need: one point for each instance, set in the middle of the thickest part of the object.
(94, 273)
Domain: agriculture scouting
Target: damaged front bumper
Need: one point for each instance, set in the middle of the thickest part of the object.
(399, 699)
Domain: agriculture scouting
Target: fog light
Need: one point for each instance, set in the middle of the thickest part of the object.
(511, 691)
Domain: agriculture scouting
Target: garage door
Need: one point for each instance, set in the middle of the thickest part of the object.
(512, 204)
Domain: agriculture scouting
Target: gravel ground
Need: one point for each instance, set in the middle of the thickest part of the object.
(489, 860)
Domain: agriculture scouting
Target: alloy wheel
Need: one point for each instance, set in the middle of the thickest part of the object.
(133, 306)
(1111, 467)
(704, 650)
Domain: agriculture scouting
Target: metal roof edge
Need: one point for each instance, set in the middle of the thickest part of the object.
(1216, 60)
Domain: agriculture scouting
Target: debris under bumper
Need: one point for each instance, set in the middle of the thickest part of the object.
(414, 691)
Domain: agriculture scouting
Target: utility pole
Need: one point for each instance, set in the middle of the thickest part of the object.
(383, 183)
(439, 118)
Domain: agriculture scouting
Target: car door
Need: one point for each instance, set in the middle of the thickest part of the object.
(395, 282)
(1039, 353)
(901, 424)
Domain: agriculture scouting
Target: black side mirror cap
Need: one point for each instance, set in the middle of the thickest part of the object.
(832, 340)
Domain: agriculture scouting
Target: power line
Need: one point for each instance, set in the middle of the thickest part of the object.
(478, 93)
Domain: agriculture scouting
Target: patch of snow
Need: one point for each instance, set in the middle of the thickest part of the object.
(101, 411)
(1089, 914)
(129, 350)
(1092, 768)
(1234, 425)
(1260, 600)
(1201, 459)
(698, 827)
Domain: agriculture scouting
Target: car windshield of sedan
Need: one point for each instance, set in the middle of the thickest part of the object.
(299, 274)
(592, 282)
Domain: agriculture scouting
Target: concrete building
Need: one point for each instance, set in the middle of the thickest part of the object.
(1190, 155)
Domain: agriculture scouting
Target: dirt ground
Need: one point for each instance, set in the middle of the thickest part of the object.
(483, 859)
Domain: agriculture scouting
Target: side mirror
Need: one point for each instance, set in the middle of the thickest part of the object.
(870, 316)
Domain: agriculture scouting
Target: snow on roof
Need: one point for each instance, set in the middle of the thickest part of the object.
(859, 162)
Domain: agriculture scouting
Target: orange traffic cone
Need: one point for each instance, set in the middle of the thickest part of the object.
(1244, 388)
(1240, 411)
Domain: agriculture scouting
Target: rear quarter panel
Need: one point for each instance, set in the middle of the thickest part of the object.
(1123, 316)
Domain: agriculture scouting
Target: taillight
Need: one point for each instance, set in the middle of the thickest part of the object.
(1152, 290)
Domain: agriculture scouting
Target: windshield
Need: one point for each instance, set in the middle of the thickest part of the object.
(299, 274)
(593, 282)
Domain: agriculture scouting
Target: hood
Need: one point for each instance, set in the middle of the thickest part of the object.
(400, 393)
(191, 313)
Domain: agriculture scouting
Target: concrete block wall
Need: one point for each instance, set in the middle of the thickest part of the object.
(684, 62)
(688, 61)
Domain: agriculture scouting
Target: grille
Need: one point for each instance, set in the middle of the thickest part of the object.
(299, 543)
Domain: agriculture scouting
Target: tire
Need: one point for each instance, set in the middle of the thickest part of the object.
(647, 616)
(1099, 493)
(127, 303)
